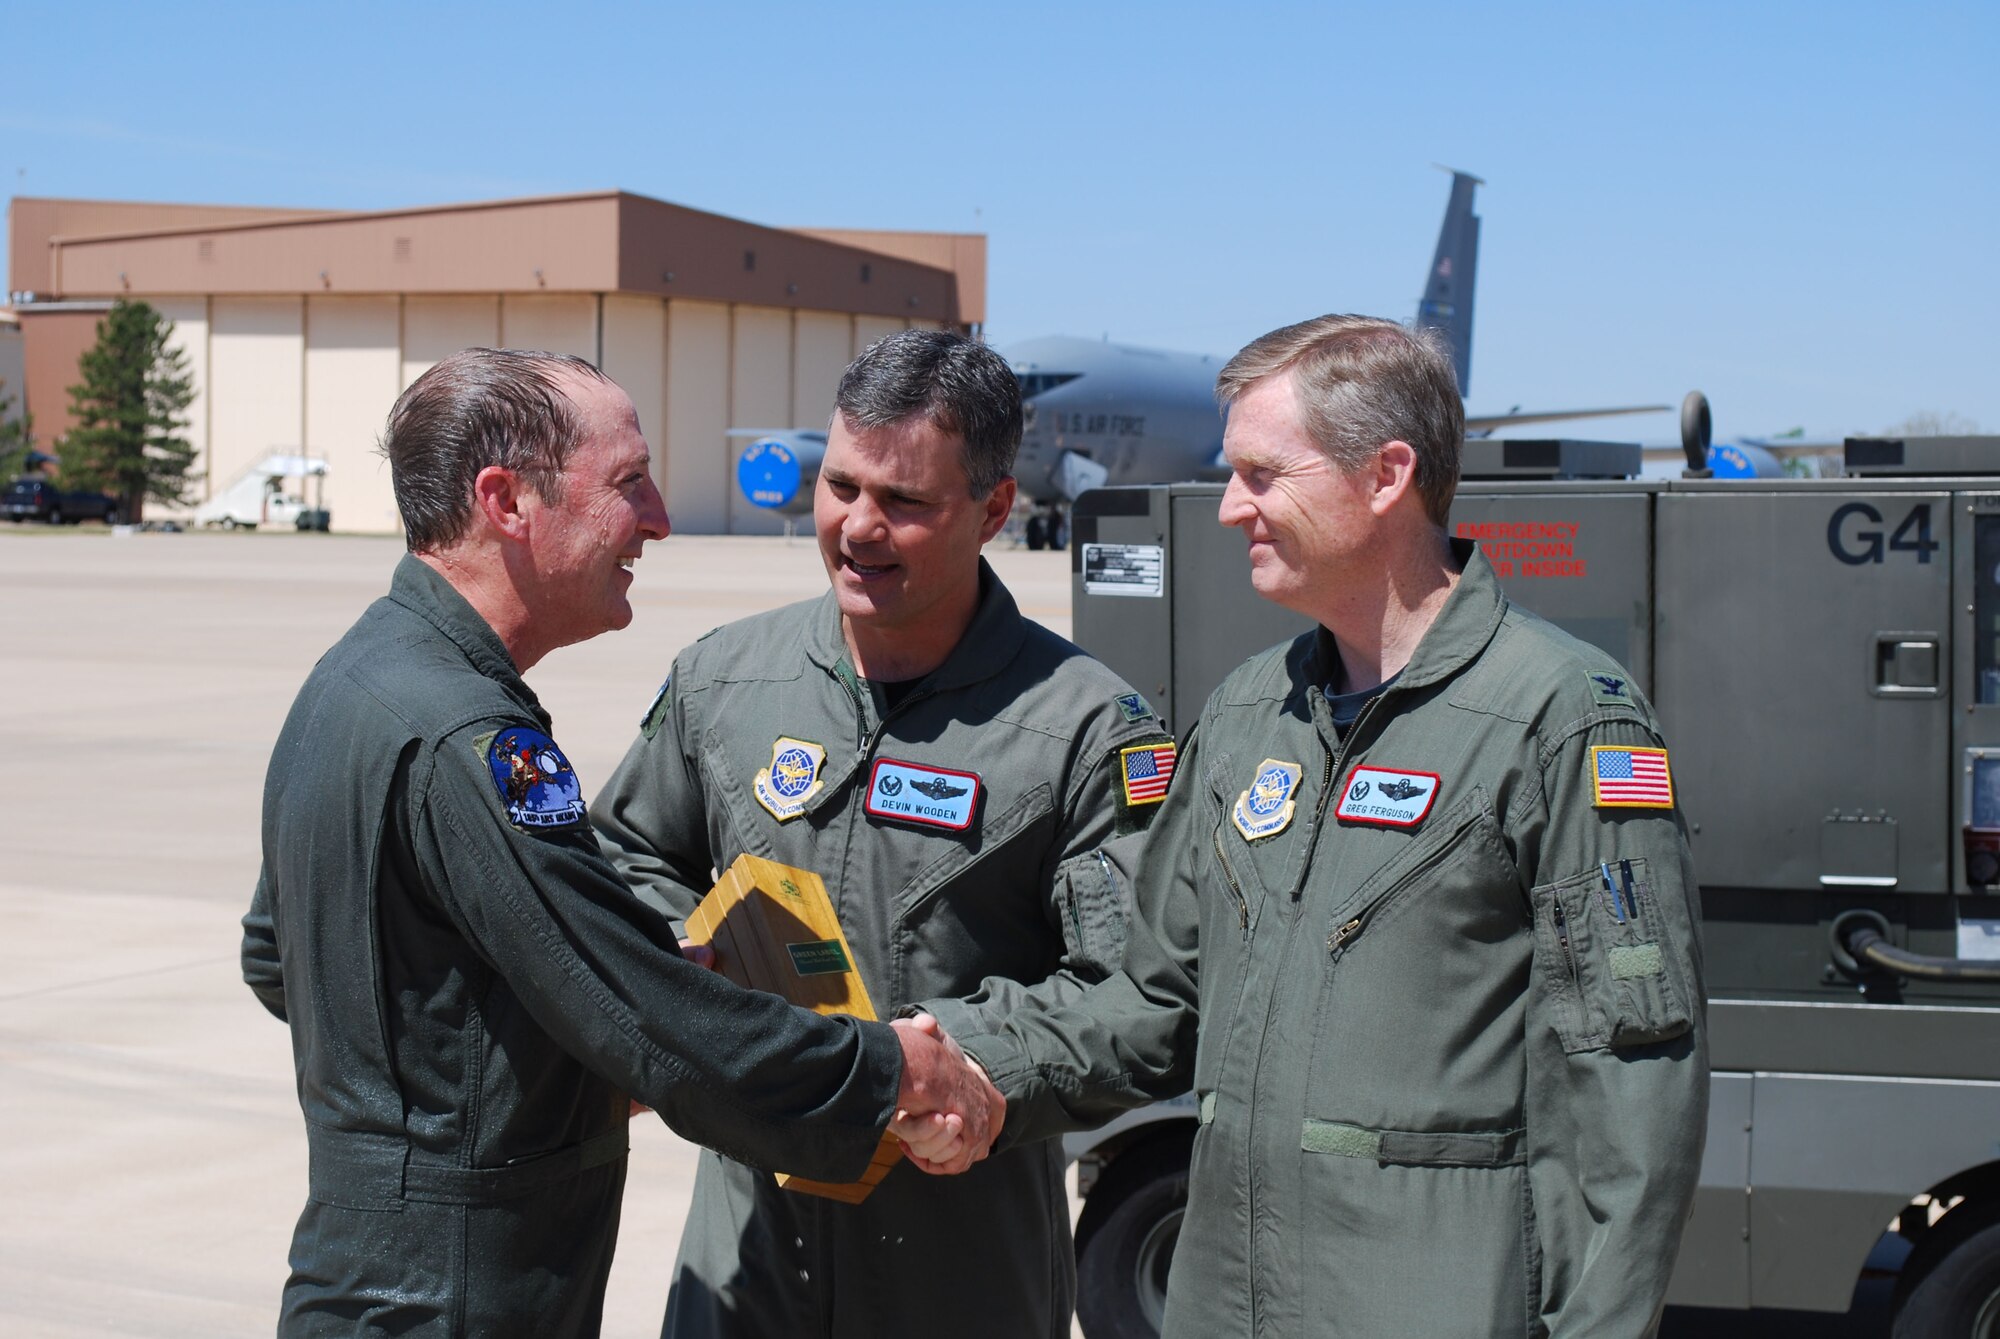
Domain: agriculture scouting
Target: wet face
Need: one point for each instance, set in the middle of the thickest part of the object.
(898, 530)
(583, 548)
(1310, 525)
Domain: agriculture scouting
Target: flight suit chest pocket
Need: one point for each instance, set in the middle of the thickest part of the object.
(1607, 961)
(1261, 815)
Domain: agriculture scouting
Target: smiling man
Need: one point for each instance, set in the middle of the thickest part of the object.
(951, 770)
(1417, 924)
(471, 990)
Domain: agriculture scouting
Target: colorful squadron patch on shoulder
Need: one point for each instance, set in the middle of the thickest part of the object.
(538, 787)
(1630, 778)
(1388, 796)
(792, 778)
(1144, 770)
(1266, 808)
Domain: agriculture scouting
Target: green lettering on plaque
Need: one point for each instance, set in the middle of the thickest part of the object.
(823, 958)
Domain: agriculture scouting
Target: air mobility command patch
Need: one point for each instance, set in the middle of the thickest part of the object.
(1144, 771)
(656, 715)
(1388, 796)
(1610, 689)
(791, 779)
(538, 787)
(1135, 707)
(1266, 808)
(937, 797)
(1630, 778)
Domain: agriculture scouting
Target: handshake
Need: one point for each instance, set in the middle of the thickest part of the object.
(948, 1113)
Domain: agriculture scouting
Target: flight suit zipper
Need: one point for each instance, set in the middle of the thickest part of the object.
(1235, 888)
(1342, 939)
(1562, 942)
(1334, 759)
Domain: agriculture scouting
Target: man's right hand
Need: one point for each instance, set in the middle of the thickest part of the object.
(948, 1113)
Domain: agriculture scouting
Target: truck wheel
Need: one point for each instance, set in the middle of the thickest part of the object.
(1957, 1293)
(1125, 1256)
(229, 523)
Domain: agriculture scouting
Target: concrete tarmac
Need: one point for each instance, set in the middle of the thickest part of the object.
(151, 1150)
(152, 1159)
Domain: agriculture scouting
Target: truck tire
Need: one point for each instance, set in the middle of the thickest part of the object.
(1957, 1292)
(1125, 1248)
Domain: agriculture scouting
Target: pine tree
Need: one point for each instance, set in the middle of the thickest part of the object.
(129, 410)
(17, 436)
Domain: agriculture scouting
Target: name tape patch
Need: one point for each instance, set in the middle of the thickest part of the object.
(792, 778)
(1266, 808)
(1630, 778)
(913, 793)
(537, 785)
(1389, 796)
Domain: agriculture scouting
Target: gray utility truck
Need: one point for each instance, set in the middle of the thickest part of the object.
(1824, 655)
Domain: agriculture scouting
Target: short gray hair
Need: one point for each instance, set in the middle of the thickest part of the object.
(957, 385)
(479, 407)
(1361, 382)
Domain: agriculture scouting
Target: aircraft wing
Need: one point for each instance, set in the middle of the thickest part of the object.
(1476, 424)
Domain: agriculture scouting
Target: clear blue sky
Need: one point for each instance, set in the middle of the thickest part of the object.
(1791, 206)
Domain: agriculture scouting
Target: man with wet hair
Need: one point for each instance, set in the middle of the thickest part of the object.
(471, 989)
(1416, 922)
(950, 769)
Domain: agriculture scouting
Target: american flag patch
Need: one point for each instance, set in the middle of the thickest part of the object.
(1630, 778)
(1145, 772)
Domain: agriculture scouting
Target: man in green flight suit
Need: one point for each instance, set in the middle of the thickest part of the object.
(471, 989)
(950, 769)
(1416, 921)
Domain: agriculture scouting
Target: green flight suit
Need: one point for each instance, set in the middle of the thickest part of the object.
(1446, 1030)
(1018, 895)
(472, 992)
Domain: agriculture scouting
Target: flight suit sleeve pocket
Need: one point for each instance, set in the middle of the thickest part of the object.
(1609, 980)
(1095, 910)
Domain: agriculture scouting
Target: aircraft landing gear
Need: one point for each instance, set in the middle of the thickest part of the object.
(1048, 529)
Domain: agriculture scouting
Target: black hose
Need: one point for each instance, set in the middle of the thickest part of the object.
(1867, 945)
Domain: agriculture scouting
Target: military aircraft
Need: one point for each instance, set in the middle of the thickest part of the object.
(1100, 413)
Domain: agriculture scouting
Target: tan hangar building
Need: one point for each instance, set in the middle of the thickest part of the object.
(302, 327)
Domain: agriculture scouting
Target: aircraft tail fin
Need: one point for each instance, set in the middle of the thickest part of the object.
(1447, 300)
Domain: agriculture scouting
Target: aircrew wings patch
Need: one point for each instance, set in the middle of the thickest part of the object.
(1630, 778)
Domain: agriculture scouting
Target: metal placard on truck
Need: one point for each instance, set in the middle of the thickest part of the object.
(1123, 569)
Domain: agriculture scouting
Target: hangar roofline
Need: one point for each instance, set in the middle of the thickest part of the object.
(601, 241)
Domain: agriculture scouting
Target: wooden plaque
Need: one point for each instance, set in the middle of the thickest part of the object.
(773, 928)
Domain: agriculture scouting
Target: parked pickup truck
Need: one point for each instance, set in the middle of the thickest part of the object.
(40, 500)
